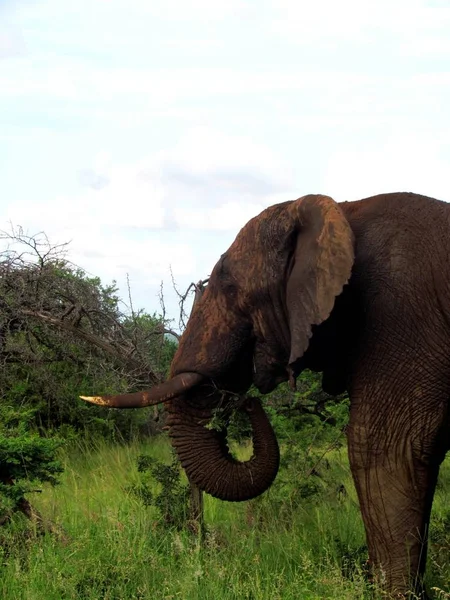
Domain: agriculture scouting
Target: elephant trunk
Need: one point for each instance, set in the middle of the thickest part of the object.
(205, 456)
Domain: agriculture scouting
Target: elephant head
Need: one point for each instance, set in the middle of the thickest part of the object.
(253, 324)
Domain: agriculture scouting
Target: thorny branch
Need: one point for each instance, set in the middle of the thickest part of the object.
(198, 289)
(45, 298)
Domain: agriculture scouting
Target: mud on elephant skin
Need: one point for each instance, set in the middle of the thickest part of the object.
(361, 292)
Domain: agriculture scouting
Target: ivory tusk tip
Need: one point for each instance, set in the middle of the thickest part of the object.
(94, 400)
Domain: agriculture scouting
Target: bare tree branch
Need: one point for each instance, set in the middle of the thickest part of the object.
(52, 300)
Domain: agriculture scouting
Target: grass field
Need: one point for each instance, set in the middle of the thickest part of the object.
(285, 545)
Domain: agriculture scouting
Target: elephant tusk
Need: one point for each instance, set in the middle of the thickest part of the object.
(160, 393)
(100, 400)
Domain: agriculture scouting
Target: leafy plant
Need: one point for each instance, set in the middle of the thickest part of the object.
(172, 499)
(27, 460)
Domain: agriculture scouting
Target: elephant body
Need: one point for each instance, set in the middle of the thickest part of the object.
(398, 373)
(361, 292)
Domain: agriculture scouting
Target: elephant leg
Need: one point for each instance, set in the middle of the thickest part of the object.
(395, 456)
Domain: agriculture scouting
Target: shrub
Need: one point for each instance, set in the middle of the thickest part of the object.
(172, 499)
(27, 460)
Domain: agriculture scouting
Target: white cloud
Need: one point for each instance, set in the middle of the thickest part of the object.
(231, 216)
(137, 218)
(111, 10)
(205, 182)
(403, 163)
(125, 201)
(409, 22)
(11, 44)
(68, 78)
(149, 133)
(207, 152)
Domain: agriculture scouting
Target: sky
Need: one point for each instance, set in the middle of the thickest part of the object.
(147, 133)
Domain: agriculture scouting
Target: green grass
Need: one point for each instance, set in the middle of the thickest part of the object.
(281, 546)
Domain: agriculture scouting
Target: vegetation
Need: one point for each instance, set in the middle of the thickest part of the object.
(26, 460)
(287, 544)
(93, 504)
(62, 333)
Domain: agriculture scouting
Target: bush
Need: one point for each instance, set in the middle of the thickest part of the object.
(62, 334)
(27, 460)
(172, 499)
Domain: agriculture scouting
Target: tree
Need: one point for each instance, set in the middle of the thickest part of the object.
(62, 332)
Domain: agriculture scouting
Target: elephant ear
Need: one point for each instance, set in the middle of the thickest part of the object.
(319, 268)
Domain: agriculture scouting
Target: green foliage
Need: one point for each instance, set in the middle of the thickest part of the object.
(159, 347)
(301, 417)
(27, 460)
(308, 412)
(172, 498)
(305, 480)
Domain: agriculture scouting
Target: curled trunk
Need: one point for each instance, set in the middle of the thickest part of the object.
(205, 456)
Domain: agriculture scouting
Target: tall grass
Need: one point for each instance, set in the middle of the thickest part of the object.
(280, 546)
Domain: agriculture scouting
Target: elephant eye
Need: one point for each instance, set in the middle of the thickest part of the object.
(228, 284)
(230, 290)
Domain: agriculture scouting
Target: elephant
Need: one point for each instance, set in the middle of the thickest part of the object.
(359, 291)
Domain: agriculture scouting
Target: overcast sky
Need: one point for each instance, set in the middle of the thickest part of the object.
(147, 132)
